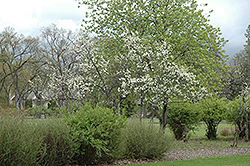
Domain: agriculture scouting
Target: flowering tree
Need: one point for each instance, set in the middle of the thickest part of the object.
(159, 78)
(245, 94)
(238, 110)
(179, 24)
(100, 70)
(60, 64)
(173, 51)
(58, 79)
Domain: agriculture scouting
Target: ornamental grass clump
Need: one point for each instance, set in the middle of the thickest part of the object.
(57, 146)
(20, 142)
(141, 140)
(35, 142)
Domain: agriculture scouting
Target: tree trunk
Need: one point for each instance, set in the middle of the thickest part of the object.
(246, 112)
(141, 109)
(164, 115)
(142, 106)
(247, 130)
(16, 92)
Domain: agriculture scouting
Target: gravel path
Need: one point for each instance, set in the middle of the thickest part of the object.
(187, 154)
(175, 155)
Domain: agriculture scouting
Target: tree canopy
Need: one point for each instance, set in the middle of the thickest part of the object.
(179, 24)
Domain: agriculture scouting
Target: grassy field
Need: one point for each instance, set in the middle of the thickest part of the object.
(243, 160)
(200, 132)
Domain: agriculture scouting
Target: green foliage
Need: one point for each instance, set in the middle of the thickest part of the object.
(178, 24)
(143, 140)
(58, 145)
(38, 111)
(213, 112)
(235, 108)
(52, 105)
(236, 115)
(28, 103)
(182, 117)
(96, 131)
(34, 142)
(19, 142)
(128, 105)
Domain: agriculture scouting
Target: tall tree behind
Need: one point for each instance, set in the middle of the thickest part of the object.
(60, 62)
(18, 62)
(247, 34)
(239, 73)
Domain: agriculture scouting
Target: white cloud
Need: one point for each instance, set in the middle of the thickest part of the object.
(232, 17)
(68, 24)
(28, 16)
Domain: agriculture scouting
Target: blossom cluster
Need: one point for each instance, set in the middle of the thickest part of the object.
(154, 71)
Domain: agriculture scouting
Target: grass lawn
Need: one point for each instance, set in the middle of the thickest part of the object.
(201, 131)
(243, 160)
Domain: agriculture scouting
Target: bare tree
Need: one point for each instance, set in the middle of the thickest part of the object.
(60, 61)
(18, 62)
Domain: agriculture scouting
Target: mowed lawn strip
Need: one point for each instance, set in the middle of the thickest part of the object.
(242, 160)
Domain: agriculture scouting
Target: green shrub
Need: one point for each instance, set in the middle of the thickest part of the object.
(182, 117)
(235, 115)
(20, 142)
(143, 141)
(213, 111)
(29, 103)
(97, 132)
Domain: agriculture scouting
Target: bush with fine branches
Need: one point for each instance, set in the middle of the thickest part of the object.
(141, 140)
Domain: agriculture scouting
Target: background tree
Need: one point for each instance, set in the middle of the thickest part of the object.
(237, 89)
(239, 71)
(18, 62)
(100, 71)
(60, 64)
(233, 80)
(247, 34)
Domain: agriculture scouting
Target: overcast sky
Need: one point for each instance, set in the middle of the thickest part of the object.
(29, 16)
